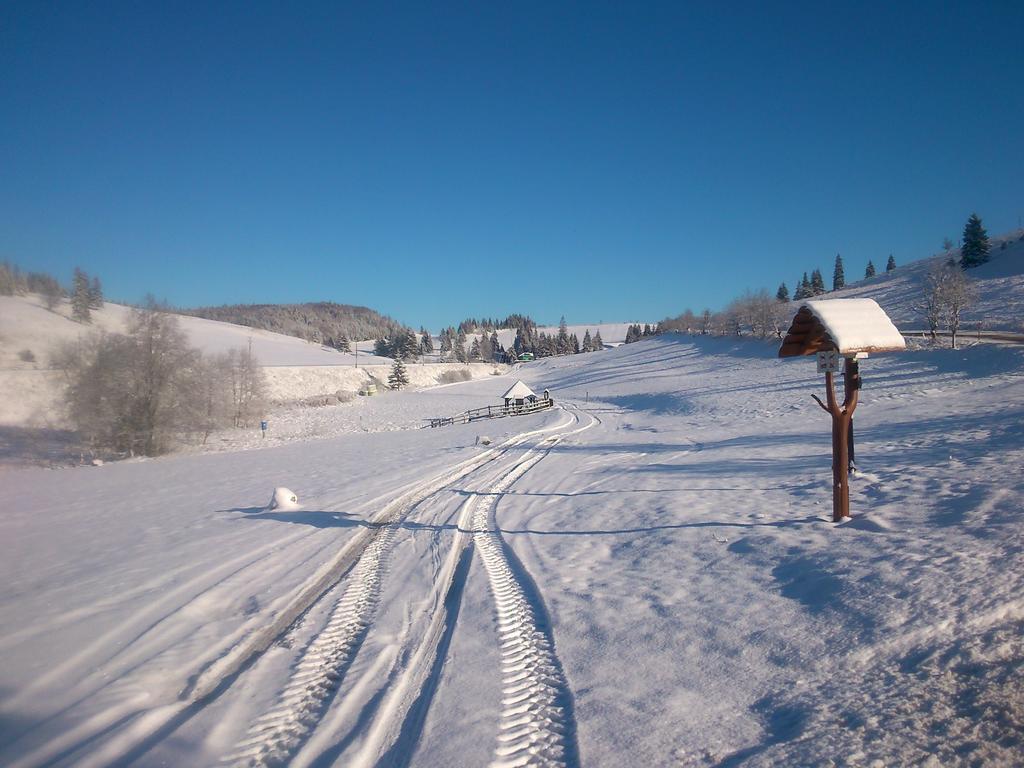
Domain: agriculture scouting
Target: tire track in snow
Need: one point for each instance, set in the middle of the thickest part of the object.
(392, 738)
(144, 728)
(213, 677)
(537, 726)
(277, 735)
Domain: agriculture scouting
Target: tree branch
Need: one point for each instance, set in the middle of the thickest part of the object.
(818, 401)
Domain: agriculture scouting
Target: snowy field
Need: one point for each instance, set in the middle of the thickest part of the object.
(645, 575)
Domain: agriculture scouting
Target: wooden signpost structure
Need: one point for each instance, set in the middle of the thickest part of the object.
(840, 332)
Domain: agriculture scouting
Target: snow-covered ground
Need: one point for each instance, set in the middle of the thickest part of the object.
(645, 575)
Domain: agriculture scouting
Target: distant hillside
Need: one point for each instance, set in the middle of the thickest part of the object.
(999, 305)
(1000, 285)
(317, 321)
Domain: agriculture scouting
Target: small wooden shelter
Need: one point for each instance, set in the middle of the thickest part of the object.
(518, 395)
(850, 327)
(841, 330)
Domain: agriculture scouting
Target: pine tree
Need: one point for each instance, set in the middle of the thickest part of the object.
(575, 344)
(647, 330)
(782, 295)
(399, 377)
(496, 349)
(474, 350)
(588, 343)
(975, 250)
(80, 297)
(838, 277)
(870, 271)
(405, 345)
(426, 343)
(95, 294)
(803, 288)
(890, 265)
(342, 344)
(598, 341)
(562, 343)
(817, 283)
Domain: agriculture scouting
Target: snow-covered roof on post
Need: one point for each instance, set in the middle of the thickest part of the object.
(518, 391)
(846, 326)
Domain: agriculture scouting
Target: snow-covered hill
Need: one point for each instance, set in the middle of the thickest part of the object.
(25, 323)
(644, 575)
(296, 370)
(1000, 285)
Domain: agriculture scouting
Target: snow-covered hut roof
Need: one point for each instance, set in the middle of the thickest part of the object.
(846, 326)
(518, 391)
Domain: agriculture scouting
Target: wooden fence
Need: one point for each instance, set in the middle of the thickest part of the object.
(492, 412)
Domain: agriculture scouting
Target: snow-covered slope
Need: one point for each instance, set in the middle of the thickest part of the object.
(25, 323)
(645, 575)
(1000, 285)
(296, 370)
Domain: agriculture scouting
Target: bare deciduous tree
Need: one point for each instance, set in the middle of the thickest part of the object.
(958, 294)
(929, 306)
(705, 322)
(246, 386)
(136, 393)
(947, 293)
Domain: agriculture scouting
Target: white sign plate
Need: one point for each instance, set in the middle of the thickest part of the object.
(830, 362)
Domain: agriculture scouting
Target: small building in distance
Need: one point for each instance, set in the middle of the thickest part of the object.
(519, 395)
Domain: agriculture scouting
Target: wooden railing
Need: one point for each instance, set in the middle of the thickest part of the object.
(492, 412)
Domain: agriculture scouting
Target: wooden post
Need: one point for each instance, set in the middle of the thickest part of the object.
(851, 381)
(841, 416)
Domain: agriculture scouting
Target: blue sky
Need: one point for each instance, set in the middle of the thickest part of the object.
(435, 161)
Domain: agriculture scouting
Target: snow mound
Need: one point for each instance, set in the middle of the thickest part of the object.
(283, 499)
